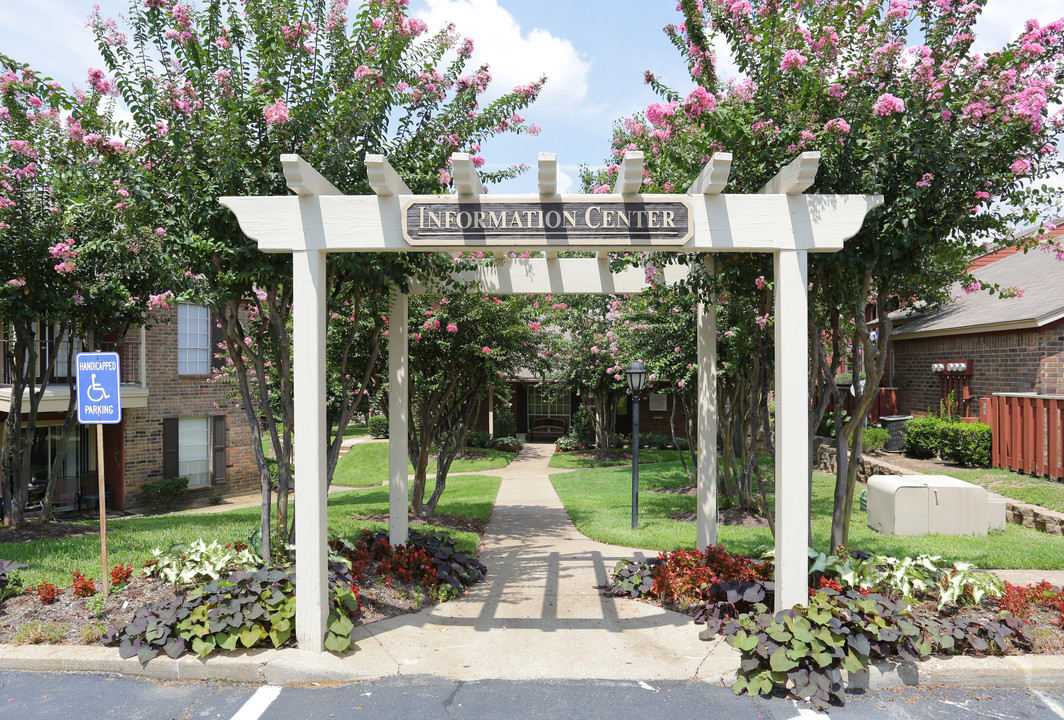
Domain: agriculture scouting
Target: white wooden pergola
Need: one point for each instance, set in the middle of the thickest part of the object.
(779, 220)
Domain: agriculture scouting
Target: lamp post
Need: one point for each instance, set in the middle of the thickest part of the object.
(636, 375)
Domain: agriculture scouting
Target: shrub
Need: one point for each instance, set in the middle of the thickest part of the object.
(504, 423)
(582, 429)
(428, 558)
(923, 436)
(654, 441)
(378, 426)
(569, 443)
(199, 562)
(120, 574)
(478, 439)
(92, 633)
(165, 493)
(46, 592)
(875, 439)
(968, 444)
(249, 609)
(37, 632)
(10, 583)
(508, 443)
(82, 586)
(95, 605)
(805, 649)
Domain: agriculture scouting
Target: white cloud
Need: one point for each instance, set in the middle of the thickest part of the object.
(566, 182)
(516, 57)
(1002, 22)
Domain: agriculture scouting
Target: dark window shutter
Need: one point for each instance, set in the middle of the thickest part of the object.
(218, 449)
(218, 354)
(170, 447)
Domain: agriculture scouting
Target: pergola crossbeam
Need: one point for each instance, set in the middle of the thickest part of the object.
(714, 176)
(303, 179)
(796, 178)
(556, 276)
(548, 175)
(383, 178)
(630, 173)
(464, 174)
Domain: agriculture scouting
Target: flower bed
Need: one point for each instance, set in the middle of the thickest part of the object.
(203, 598)
(861, 609)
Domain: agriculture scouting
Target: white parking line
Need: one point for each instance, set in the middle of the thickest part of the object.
(257, 703)
(1049, 702)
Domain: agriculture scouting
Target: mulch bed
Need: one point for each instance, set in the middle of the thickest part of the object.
(379, 600)
(736, 517)
(38, 530)
(440, 520)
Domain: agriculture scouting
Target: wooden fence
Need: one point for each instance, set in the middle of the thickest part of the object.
(1028, 432)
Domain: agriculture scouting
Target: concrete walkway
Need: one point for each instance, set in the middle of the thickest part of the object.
(539, 614)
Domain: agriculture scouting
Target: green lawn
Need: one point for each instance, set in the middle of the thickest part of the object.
(571, 461)
(599, 501)
(356, 431)
(132, 540)
(366, 464)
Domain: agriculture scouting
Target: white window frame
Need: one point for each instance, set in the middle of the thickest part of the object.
(194, 450)
(193, 340)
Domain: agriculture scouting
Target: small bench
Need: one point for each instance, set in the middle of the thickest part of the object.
(924, 504)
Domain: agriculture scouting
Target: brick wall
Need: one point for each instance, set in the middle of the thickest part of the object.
(174, 395)
(1014, 362)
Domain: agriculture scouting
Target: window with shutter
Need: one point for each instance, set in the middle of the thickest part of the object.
(218, 354)
(170, 447)
(217, 449)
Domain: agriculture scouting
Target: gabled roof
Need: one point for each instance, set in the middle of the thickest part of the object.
(1037, 274)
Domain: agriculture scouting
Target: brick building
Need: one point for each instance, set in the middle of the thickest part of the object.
(983, 344)
(174, 422)
(541, 416)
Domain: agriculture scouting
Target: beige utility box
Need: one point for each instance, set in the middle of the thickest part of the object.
(922, 504)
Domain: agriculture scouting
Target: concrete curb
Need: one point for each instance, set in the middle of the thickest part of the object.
(295, 667)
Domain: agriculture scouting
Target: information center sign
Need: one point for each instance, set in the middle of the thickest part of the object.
(99, 388)
(602, 222)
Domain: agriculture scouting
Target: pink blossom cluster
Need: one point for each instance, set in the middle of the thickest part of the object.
(162, 300)
(66, 253)
(792, 60)
(699, 101)
(277, 113)
(887, 104)
(659, 115)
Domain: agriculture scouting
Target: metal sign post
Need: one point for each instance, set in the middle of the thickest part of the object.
(99, 390)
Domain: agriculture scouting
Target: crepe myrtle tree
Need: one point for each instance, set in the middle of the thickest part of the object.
(219, 92)
(897, 102)
(460, 345)
(589, 359)
(661, 330)
(81, 266)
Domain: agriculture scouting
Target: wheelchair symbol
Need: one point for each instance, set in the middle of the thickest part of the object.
(95, 391)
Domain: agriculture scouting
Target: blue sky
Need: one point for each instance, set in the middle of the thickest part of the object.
(594, 53)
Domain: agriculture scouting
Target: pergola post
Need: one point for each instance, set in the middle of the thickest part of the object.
(792, 427)
(398, 418)
(308, 327)
(707, 420)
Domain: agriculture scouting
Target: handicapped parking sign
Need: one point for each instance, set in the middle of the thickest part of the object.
(99, 388)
